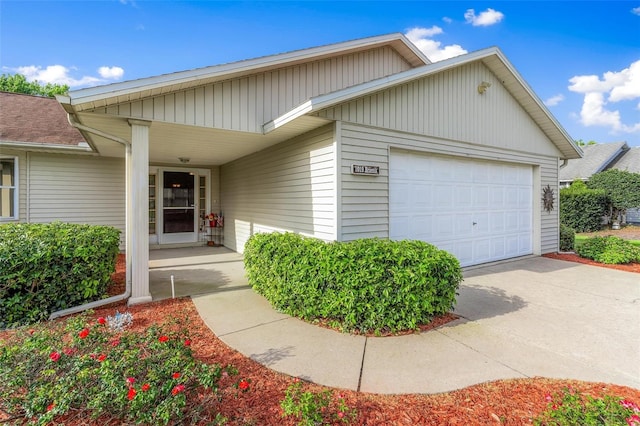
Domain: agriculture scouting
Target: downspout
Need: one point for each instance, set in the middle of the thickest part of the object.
(127, 291)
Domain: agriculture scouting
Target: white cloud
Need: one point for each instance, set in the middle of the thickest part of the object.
(114, 73)
(433, 49)
(59, 74)
(486, 18)
(636, 10)
(554, 100)
(614, 86)
(447, 20)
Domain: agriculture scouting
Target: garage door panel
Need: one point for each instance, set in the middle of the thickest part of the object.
(440, 198)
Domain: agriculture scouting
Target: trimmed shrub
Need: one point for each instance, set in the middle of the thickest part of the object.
(582, 208)
(609, 249)
(48, 267)
(364, 285)
(567, 238)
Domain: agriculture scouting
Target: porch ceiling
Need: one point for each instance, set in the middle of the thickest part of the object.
(203, 146)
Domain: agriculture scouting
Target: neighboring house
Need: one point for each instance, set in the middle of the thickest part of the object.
(364, 138)
(598, 158)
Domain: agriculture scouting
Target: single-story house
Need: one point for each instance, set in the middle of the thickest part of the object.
(365, 138)
(599, 158)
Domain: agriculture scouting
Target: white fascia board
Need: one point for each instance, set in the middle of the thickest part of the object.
(289, 116)
(92, 94)
(46, 146)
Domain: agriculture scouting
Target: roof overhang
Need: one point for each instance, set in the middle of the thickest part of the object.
(491, 57)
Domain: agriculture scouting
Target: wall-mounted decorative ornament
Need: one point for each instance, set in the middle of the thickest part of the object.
(547, 198)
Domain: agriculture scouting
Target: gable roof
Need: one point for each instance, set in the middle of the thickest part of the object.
(35, 120)
(596, 158)
(127, 91)
(491, 57)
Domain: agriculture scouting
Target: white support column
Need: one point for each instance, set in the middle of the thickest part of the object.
(138, 214)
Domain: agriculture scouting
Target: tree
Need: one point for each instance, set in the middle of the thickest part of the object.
(622, 188)
(17, 83)
(580, 142)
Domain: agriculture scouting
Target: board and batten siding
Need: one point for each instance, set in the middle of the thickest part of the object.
(248, 102)
(22, 157)
(288, 187)
(447, 105)
(364, 200)
(77, 189)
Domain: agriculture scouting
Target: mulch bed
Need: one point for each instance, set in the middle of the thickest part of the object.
(509, 402)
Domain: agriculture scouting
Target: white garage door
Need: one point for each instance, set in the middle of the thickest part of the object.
(479, 211)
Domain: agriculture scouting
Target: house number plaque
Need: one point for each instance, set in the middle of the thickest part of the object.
(357, 169)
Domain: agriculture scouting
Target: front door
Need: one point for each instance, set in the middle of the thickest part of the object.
(179, 222)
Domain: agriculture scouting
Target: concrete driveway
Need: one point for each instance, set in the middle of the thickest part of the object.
(526, 318)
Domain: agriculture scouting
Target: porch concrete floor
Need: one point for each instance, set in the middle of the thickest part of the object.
(195, 270)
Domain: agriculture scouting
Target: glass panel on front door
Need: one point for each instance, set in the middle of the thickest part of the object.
(178, 201)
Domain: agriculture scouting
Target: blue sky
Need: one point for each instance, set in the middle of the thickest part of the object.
(582, 58)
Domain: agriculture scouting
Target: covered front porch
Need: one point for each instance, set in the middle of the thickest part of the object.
(195, 271)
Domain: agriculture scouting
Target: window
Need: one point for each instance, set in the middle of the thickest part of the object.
(8, 188)
(152, 204)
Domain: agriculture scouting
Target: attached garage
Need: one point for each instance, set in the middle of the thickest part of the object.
(480, 211)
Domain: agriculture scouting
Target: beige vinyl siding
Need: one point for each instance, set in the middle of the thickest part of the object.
(77, 189)
(246, 103)
(448, 105)
(22, 158)
(364, 199)
(288, 187)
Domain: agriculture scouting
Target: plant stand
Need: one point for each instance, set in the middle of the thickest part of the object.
(215, 235)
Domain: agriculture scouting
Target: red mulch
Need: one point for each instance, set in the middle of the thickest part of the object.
(572, 257)
(509, 402)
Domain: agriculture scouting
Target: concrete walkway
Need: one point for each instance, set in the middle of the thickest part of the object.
(526, 318)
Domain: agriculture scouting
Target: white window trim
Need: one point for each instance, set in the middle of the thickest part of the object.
(16, 188)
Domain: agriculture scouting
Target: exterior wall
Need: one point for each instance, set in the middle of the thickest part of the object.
(448, 105)
(77, 189)
(22, 183)
(288, 187)
(364, 199)
(246, 103)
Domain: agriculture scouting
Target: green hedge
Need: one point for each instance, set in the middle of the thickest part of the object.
(567, 238)
(48, 267)
(609, 249)
(582, 208)
(364, 285)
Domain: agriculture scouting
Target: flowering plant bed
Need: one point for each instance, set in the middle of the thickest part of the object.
(256, 394)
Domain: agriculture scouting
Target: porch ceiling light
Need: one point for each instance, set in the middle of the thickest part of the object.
(184, 160)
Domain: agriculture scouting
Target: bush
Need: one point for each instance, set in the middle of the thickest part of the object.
(312, 409)
(83, 366)
(582, 208)
(609, 249)
(571, 408)
(48, 267)
(567, 238)
(365, 285)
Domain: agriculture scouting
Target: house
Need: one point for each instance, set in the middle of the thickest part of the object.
(364, 138)
(599, 158)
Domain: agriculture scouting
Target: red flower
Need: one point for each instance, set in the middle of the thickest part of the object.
(629, 404)
(187, 342)
(340, 414)
(131, 394)
(67, 351)
(131, 380)
(243, 385)
(177, 389)
(146, 387)
(115, 342)
(102, 321)
(633, 420)
(84, 333)
(50, 406)
(102, 357)
(31, 331)
(163, 338)
(54, 356)
(176, 375)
